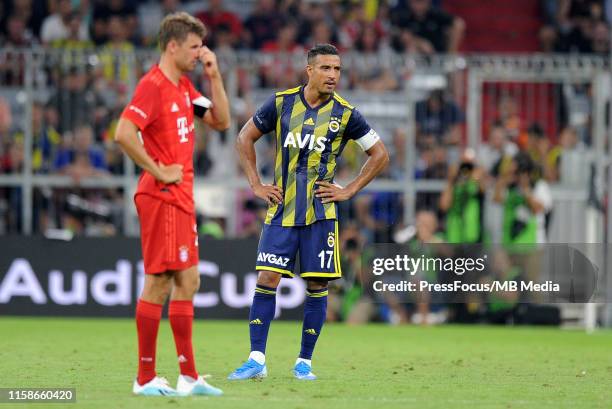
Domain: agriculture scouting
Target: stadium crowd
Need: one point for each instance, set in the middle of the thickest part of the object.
(74, 115)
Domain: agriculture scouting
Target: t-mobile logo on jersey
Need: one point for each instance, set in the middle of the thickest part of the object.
(183, 130)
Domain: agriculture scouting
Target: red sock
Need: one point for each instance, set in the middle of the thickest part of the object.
(181, 321)
(148, 316)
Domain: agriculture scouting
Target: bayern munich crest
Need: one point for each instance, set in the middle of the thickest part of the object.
(183, 254)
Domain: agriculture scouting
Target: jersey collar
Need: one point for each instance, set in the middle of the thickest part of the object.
(316, 108)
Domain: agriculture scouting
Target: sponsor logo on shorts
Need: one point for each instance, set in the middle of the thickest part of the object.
(183, 253)
(331, 240)
(272, 259)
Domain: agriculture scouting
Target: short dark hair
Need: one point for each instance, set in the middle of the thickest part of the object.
(177, 26)
(321, 49)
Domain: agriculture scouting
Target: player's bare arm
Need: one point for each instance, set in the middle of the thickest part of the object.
(126, 136)
(245, 145)
(378, 159)
(218, 117)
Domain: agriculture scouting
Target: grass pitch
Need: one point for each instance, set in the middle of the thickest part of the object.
(358, 367)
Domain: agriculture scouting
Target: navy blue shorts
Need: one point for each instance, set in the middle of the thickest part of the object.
(317, 244)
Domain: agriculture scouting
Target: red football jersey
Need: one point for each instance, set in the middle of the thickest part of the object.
(164, 114)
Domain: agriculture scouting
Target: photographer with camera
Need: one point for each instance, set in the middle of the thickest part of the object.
(463, 200)
(526, 199)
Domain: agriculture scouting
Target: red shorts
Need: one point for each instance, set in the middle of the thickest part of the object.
(168, 235)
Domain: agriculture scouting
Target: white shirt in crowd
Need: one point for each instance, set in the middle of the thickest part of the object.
(53, 28)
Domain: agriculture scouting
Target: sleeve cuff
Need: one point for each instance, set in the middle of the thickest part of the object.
(368, 140)
(137, 119)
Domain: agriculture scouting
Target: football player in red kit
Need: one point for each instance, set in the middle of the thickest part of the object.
(163, 109)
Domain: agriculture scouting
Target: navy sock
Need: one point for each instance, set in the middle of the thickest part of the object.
(262, 314)
(315, 310)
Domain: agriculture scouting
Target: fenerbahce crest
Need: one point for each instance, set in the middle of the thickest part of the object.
(334, 124)
(331, 239)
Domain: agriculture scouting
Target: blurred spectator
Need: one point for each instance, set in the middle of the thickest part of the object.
(379, 212)
(600, 42)
(55, 26)
(434, 29)
(571, 26)
(74, 101)
(254, 216)
(370, 72)
(463, 201)
(432, 163)
(32, 12)
(440, 117)
(82, 158)
(526, 199)
(317, 28)
(17, 34)
(569, 149)
(508, 116)
(540, 151)
(404, 41)
(322, 33)
(73, 41)
(45, 142)
(150, 16)
(397, 162)
(11, 161)
(217, 16)
(262, 24)
(279, 69)
(6, 123)
(497, 151)
(103, 10)
(115, 55)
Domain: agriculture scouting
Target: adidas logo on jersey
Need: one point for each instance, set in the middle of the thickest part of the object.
(256, 321)
(174, 108)
(310, 331)
(309, 121)
(298, 140)
(273, 259)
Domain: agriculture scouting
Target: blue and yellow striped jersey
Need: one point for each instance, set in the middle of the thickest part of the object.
(308, 141)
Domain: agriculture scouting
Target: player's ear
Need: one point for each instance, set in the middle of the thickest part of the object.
(171, 47)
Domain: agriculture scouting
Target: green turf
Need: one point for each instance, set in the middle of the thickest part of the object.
(358, 367)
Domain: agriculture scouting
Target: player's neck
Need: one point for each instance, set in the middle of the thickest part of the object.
(170, 70)
(313, 97)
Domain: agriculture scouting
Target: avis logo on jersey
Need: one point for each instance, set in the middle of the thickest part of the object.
(300, 141)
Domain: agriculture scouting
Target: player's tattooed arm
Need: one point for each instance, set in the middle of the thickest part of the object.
(245, 145)
(126, 135)
(218, 116)
(378, 159)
